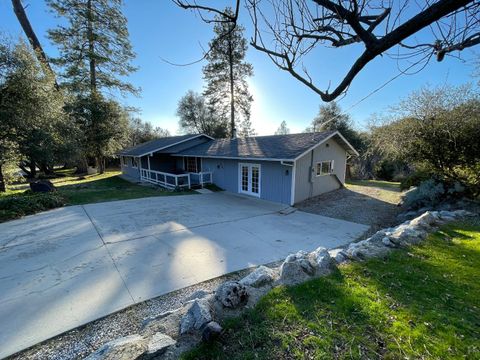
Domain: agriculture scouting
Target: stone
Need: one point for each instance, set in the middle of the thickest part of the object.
(42, 186)
(166, 323)
(302, 266)
(125, 348)
(425, 221)
(338, 255)
(211, 331)
(405, 234)
(260, 276)
(366, 249)
(386, 241)
(199, 294)
(232, 294)
(157, 345)
(197, 315)
(323, 262)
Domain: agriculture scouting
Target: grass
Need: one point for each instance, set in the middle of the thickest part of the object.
(77, 190)
(387, 191)
(420, 303)
(382, 184)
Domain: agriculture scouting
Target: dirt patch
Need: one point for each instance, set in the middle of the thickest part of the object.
(367, 205)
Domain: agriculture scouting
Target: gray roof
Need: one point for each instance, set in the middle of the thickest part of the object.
(278, 147)
(157, 144)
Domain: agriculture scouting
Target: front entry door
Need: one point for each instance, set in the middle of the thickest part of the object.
(249, 179)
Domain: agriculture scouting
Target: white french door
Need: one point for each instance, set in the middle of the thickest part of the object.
(249, 176)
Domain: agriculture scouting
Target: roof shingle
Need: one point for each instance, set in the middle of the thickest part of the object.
(281, 147)
(155, 145)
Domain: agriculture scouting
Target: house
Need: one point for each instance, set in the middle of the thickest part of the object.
(280, 168)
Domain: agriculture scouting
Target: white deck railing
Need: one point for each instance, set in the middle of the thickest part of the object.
(174, 181)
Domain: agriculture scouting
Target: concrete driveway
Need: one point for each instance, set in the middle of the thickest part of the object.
(69, 266)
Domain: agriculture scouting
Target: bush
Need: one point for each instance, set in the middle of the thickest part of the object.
(415, 179)
(13, 207)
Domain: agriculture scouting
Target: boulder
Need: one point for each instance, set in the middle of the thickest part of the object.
(302, 266)
(260, 276)
(157, 345)
(366, 249)
(406, 234)
(232, 294)
(42, 186)
(197, 315)
(425, 221)
(338, 255)
(125, 348)
(211, 331)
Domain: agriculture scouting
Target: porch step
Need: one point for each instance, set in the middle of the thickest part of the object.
(204, 191)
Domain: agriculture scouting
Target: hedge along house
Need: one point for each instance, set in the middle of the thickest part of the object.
(280, 168)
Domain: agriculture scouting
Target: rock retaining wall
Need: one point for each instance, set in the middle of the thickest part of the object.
(168, 335)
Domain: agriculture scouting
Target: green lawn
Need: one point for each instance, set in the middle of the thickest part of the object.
(75, 190)
(421, 303)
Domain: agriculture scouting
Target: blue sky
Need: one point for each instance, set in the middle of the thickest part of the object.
(158, 29)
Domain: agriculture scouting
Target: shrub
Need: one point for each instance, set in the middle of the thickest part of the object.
(12, 207)
(415, 179)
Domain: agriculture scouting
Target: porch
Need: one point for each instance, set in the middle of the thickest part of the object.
(176, 181)
(173, 173)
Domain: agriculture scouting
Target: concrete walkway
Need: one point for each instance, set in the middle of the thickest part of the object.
(66, 267)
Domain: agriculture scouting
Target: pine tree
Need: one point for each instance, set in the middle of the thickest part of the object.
(95, 57)
(226, 74)
(95, 50)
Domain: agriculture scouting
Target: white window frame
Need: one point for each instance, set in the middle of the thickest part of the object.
(250, 165)
(133, 158)
(322, 164)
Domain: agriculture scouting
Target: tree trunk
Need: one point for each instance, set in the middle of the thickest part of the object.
(232, 99)
(3, 187)
(32, 37)
(91, 48)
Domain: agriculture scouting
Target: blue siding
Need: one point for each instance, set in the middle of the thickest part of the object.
(129, 170)
(276, 179)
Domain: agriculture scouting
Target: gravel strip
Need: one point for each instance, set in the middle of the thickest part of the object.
(365, 205)
(82, 341)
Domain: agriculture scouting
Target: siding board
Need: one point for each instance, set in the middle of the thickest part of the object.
(304, 188)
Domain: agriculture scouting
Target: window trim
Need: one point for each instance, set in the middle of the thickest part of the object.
(331, 167)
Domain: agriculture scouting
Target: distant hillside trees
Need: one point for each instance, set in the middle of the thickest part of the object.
(282, 129)
(142, 131)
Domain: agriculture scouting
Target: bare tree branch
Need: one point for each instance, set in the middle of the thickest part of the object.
(293, 28)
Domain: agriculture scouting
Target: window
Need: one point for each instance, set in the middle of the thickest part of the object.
(123, 160)
(134, 162)
(324, 168)
(191, 164)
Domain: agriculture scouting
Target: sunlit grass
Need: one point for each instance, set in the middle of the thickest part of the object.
(76, 190)
(420, 303)
(388, 191)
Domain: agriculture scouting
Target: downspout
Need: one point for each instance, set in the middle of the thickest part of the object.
(311, 175)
